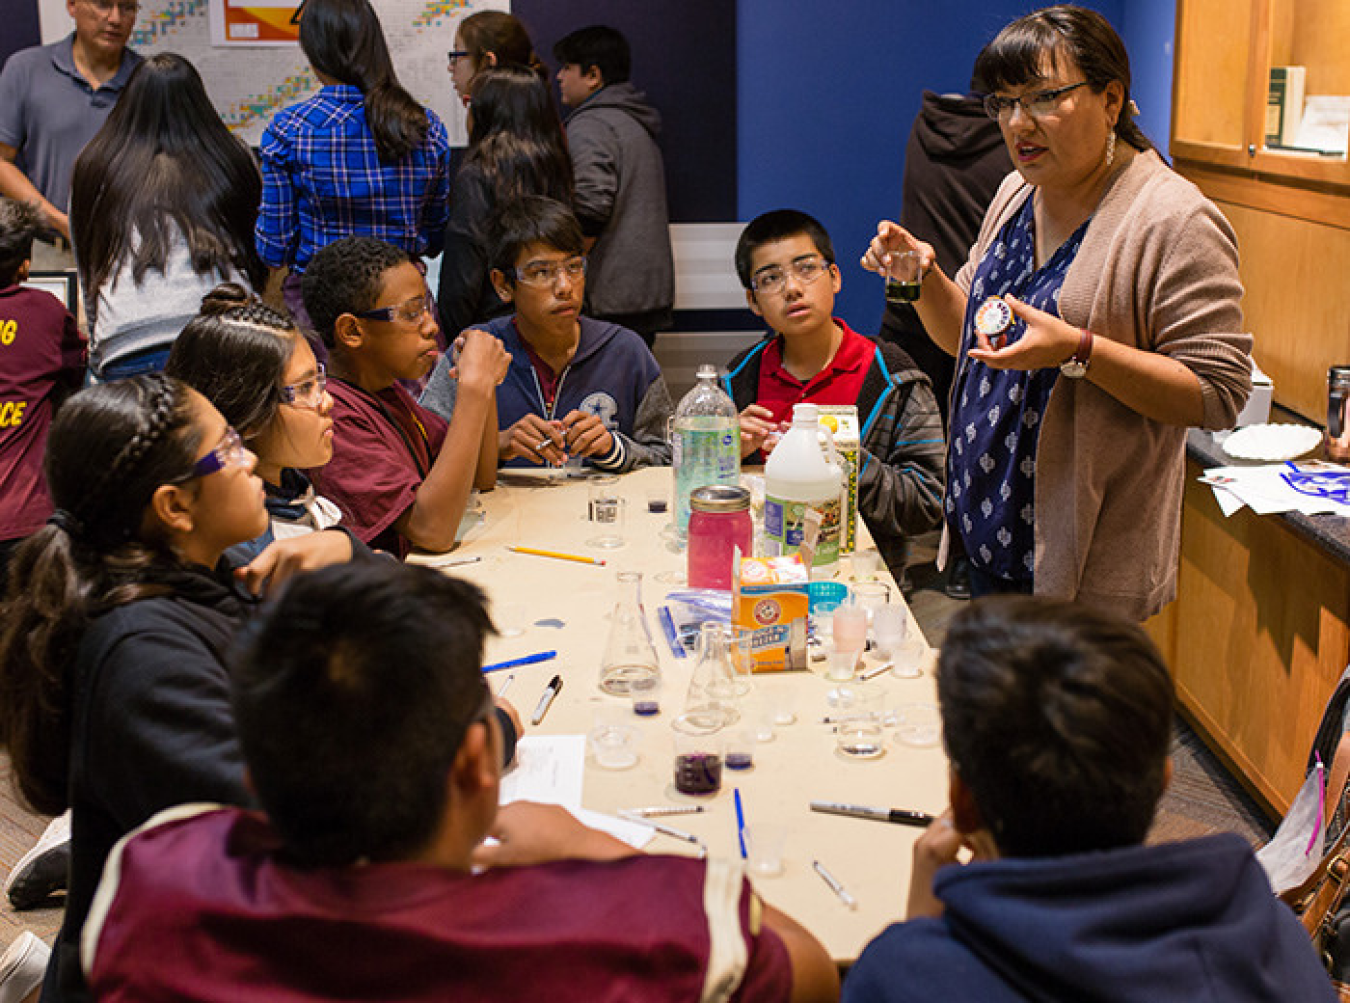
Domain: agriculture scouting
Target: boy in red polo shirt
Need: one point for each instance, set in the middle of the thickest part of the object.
(785, 261)
(41, 361)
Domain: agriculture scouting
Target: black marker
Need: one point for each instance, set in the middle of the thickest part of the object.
(900, 816)
(550, 691)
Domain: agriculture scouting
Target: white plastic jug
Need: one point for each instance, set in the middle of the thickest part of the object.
(798, 476)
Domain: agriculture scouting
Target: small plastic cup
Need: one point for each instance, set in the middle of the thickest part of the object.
(613, 741)
(918, 724)
(860, 733)
(849, 627)
(871, 596)
(843, 665)
(866, 565)
(764, 844)
(605, 510)
(740, 749)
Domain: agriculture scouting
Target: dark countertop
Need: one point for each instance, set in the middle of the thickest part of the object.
(1331, 533)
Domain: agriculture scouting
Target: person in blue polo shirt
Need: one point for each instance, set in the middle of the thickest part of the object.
(53, 98)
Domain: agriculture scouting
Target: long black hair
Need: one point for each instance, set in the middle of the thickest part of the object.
(163, 165)
(515, 137)
(343, 40)
(110, 447)
(235, 353)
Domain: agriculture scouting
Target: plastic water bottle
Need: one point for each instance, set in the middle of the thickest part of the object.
(705, 442)
(798, 476)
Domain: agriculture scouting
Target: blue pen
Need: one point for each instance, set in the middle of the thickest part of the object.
(740, 822)
(542, 656)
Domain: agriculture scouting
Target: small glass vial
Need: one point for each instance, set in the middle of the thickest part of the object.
(719, 522)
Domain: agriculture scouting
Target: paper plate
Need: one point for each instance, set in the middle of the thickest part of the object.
(1272, 443)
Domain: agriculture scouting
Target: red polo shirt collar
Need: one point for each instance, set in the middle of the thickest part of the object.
(840, 382)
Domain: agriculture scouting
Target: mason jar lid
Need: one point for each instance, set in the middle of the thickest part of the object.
(719, 498)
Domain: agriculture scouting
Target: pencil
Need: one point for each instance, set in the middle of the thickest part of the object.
(581, 559)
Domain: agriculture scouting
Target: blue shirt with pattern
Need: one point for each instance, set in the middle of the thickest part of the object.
(323, 180)
(996, 417)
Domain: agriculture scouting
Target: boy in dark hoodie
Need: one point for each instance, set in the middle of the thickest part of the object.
(1057, 721)
(620, 181)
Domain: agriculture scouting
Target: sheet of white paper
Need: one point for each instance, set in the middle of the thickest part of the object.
(1266, 491)
(1228, 502)
(549, 769)
(634, 834)
(1325, 123)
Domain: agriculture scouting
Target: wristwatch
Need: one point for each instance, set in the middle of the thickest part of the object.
(1075, 367)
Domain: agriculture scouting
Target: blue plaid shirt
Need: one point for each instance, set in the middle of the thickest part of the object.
(322, 180)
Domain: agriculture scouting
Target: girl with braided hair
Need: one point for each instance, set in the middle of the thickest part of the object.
(259, 371)
(114, 697)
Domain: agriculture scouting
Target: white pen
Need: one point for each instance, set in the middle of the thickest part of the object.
(664, 830)
(874, 671)
(834, 884)
(656, 811)
(550, 691)
(506, 685)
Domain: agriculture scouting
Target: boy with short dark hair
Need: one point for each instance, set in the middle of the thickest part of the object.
(363, 715)
(785, 261)
(576, 386)
(42, 360)
(620, 182)
(1057, 721)
(400, 474)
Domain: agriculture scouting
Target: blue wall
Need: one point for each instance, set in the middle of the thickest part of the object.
(828, 92)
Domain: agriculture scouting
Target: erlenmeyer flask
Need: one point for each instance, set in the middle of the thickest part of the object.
(707, 706)
(629, 656)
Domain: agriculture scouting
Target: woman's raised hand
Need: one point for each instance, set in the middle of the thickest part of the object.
(893, 238)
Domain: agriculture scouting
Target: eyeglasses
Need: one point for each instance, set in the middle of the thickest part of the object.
(309, 393)
(547, 273)
(410, 312)
(456, 55)
(772, 279)
(1037, 104)
(106, 7)
(229, 452)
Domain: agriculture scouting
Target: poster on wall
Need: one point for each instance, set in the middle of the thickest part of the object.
(255, 22)
(248, 84)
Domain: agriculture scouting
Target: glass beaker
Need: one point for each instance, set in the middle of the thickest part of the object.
(630, 658)
(707, 707)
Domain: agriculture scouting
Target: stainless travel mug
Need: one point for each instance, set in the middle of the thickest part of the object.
(1338, 414)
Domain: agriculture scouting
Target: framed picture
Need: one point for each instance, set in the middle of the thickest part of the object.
(63, 284)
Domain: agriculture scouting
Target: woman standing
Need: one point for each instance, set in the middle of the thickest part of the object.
(487, 39)
(516, 147)
(1096, 319)
(361, 157)
(163, 201)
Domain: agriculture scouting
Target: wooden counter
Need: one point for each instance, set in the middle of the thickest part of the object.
(1259, 634)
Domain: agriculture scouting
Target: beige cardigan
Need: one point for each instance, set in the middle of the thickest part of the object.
(1158, 270)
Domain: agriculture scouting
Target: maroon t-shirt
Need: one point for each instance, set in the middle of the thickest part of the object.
(42, 359)
(838, 383)
(383, 447)
(206, 908)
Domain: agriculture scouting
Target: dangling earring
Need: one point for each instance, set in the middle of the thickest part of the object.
(1110, 148)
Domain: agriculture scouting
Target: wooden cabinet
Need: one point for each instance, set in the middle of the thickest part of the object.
(1257, 638)
(1225, 52)
(1291, 210)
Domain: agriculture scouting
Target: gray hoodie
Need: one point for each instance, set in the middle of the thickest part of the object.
(621, 201)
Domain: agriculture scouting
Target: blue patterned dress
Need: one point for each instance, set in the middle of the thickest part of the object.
(996, 413)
